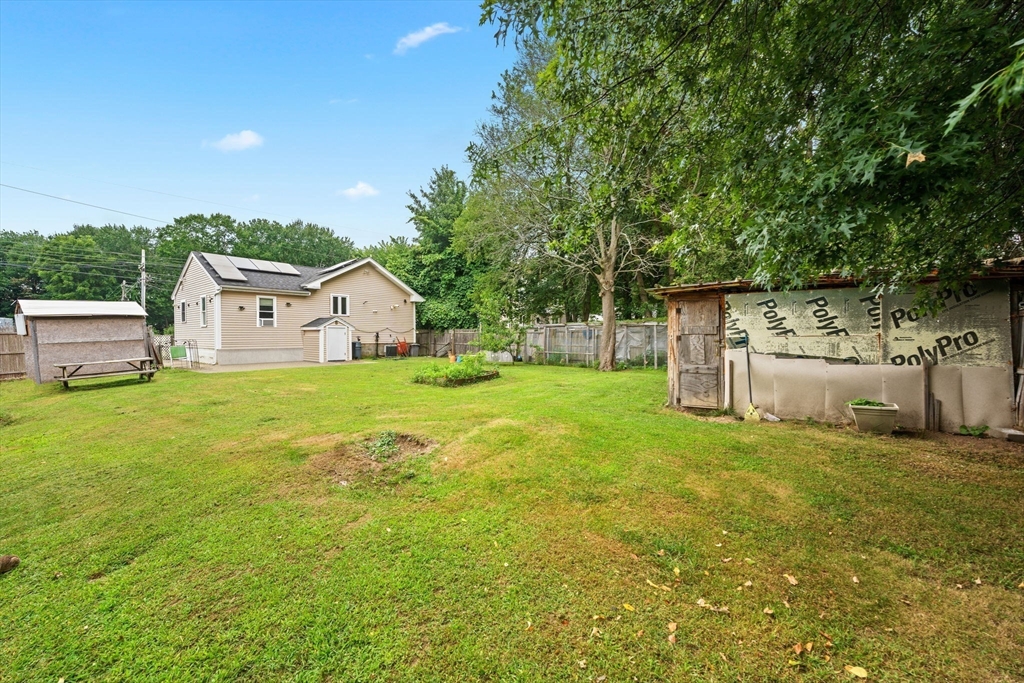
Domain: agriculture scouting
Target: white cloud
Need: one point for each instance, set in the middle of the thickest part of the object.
(361, 189)
(236, 142)
(417, 38)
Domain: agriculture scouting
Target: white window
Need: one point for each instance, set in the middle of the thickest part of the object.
(202, 311)
(339, 304)
(183, 305)
(266, 311)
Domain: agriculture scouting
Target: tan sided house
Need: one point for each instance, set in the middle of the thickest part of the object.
(242, 310)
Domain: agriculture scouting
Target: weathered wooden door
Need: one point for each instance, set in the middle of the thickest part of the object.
(695, 333)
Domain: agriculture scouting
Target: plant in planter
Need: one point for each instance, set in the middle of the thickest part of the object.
(874, 416)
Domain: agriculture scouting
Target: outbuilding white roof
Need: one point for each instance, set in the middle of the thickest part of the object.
(39, 308)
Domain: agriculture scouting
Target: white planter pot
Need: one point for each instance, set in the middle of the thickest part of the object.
(876, 419)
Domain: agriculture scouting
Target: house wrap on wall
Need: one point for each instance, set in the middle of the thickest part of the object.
(241, 310)
(814, 349)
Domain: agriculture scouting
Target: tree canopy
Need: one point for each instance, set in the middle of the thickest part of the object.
(812, 136)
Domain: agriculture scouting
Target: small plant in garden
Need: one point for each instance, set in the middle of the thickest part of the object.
(471, 366)
(865, 402)
(976, 431)
(384, 445)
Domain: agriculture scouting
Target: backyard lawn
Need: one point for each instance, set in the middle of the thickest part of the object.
(553, 524)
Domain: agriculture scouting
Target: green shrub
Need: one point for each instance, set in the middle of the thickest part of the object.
(865, 402)
(384, 445)
(977, 431)
(471, 365)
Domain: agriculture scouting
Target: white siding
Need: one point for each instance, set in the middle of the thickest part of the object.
(195, 284)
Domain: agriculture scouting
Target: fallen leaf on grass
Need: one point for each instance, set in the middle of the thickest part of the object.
(639, 633)
(856, 580)
(748, 560)
(672, 638)
(602, 678)
(529, 626)
(582, 663)
(726, 559)
(595, 632)
(629, 607)
(977, 581)
(661, 553)
(675, 571)
(718, 545)
(1020, 585)
(748, 584)
(768, 610)
(793, 662)
(857, 671)
(798, 648)
(672, 626)
(809, 646)
(792, 579)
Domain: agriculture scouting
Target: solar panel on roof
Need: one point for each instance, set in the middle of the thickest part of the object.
(287, 268)
(225, 269)
(242, 262)
(265, 266)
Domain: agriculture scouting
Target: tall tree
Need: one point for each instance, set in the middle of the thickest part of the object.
(444, 278)
(563, 191)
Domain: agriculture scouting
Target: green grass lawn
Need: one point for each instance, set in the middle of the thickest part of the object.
(547, 525)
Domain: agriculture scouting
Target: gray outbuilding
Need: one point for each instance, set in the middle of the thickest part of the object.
(66, 332)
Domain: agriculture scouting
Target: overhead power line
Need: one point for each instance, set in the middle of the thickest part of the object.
(142, 189)
(64, 199)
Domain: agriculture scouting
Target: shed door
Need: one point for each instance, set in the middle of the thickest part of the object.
(699, 352)
(337, 343)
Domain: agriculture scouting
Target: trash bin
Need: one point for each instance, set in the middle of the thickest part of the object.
(357, 350)
(414, 349)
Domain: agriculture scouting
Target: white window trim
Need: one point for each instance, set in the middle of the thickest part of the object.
(202, 311)
(348, 304)
(183, 312)
(216, 321)
(272, 298)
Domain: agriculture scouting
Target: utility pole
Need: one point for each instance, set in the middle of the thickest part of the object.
(142, 279)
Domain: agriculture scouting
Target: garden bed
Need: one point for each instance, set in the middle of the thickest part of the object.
(458, 381)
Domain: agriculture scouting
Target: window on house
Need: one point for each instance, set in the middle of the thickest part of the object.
(266, 315)
(339, 304)
(183, 305)
(202, 311)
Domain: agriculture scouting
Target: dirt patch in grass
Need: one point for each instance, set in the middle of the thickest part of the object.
(366, 460)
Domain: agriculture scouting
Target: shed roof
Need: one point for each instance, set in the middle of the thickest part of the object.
(1007, 270)
(41, 308)
(320, 322)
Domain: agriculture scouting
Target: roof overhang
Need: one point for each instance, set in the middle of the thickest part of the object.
(64, 308)
(413, 296)
(324, 322)
(832, 280)
(260, 290)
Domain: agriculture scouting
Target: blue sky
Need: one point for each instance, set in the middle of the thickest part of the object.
(328, 112)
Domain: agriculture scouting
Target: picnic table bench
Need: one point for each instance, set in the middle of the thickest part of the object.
(143, 367)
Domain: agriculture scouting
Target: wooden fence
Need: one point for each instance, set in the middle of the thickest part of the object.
(439, 342)
(12, 351)
(639, 344)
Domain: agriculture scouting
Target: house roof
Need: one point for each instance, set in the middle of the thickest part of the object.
(308, 278)
(41, 308)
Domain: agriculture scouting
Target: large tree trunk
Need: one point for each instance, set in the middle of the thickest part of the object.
(606, 281)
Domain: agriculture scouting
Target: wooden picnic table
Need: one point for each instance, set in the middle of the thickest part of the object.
(141, 366)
